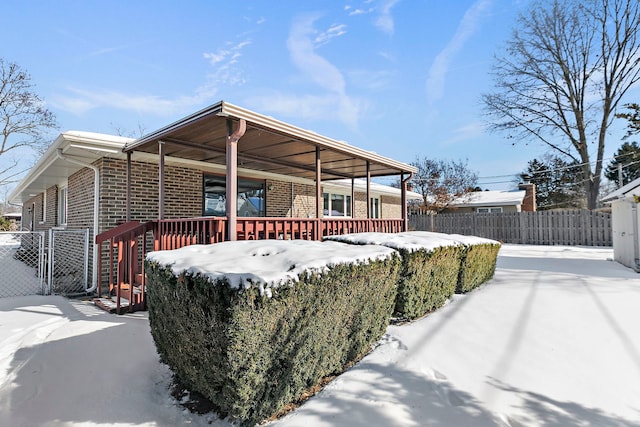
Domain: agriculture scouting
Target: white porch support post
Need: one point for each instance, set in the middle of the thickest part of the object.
(161, 180)
(403, 200)
(353, 197)
(369, 191)
(319, 200)
(232, 176)
(128, 211)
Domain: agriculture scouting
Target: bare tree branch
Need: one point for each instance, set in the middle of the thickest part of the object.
(24, 120)
(566, 69)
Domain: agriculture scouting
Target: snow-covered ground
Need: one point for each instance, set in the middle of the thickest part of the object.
(552, 340)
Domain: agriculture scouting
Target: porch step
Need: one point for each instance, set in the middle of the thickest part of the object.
(110, 304)
(131, 299)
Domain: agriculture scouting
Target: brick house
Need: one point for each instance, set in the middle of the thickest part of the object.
(181, 171)
(496, 201)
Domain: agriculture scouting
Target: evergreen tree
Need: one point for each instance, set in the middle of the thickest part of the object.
(627, 157)
(558, 183)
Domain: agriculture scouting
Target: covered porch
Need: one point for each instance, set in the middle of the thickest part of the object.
(241, 140)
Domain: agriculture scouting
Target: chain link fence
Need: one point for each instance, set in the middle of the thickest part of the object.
(22, 263)
(69, 261)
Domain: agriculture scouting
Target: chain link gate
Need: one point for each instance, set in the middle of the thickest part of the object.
(22, 263)
(68, 261)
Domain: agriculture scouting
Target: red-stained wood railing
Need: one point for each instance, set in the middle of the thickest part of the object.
(176, 233)
(129, 243)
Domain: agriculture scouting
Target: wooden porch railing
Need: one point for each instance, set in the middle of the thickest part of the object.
(176, 233)
(129, 243)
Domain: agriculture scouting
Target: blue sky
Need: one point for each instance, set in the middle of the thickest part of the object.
(402, 78)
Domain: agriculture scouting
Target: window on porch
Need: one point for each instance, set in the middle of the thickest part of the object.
(336, 205)
(251, 201)
(375, 207)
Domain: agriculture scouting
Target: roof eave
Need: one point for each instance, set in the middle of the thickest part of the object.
(232, 111)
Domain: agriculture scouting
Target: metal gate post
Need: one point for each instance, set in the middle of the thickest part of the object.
(50, 262)
(42, 264)
(86, 259)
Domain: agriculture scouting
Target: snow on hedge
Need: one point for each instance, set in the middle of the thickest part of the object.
(465, 240)
(410, 241)
(265, 263)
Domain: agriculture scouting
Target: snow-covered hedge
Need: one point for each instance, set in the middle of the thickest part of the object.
(478, 263)
(434, 266)
(252, 324)
(430, 268)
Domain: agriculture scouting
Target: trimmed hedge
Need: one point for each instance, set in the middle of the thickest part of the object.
(434, 266)
(478, 265)
(428, 279)
(251, 355)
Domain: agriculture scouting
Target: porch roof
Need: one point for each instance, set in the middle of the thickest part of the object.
(268, 145)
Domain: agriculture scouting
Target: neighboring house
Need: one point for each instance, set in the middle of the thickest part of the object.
(521, 200)
(625, 223)
(97, 181)
(14, 219)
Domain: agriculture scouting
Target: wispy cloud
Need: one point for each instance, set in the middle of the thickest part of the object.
(106, 50)
(354, 11)
(467, 132)
(229, 54)
(334, 31)
(224, 73)
(385, 21)
(334, 103)
(84, 100)
(440, 67)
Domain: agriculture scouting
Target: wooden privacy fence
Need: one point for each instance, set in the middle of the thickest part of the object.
(567, 227)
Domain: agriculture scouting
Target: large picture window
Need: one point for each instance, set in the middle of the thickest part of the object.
(250, 196)
(336, 205)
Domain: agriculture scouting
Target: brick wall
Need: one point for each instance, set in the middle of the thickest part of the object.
(391, 207)
(360, 205)
(44, 215)
(80, 200)
(183, 192)
(51, 219)
(278, 199)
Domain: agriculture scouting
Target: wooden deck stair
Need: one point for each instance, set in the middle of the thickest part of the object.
(131, 299)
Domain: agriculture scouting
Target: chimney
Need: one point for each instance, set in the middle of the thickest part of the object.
(529, 201)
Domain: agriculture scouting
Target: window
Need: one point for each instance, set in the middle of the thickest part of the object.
(43, 208)
(336, 205)
(250, 196)
(62, 206)
(375, 207)
(489, 210)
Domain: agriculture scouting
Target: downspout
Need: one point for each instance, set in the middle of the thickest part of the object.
(403, 199)
(96, 213)
(636, 245)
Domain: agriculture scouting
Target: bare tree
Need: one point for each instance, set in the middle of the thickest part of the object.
(441, 181)
(23, 119)
(566, 68)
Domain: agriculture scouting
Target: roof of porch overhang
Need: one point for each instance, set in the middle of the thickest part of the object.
(268, 145)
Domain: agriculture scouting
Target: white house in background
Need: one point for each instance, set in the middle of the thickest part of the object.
(496, 201)
(625, 223)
